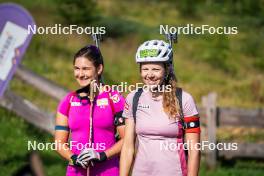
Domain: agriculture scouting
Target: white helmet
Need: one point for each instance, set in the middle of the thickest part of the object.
(154, 51)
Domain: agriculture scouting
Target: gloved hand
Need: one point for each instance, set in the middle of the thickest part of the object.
(90, 155)
(76, 162)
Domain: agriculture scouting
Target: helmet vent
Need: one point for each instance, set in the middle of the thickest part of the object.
(159, 52)
(165, 54)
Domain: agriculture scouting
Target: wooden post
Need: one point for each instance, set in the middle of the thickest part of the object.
(42, 84)
(36, 164)
(209, 103)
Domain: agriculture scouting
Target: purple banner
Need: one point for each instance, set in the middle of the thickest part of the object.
(14, 40)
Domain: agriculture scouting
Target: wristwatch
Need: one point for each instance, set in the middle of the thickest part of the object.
(73, 160)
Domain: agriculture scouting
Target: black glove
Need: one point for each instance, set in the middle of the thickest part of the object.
(76, 162)
(90, 155)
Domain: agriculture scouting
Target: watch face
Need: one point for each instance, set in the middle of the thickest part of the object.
(71, 162)
(192, 124)
(73, 159)
(120, 120)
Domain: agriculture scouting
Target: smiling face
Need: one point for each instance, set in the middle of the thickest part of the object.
(85, 71)
(152, 74)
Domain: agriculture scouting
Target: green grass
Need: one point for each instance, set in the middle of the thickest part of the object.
(234, 168)
(15, 134)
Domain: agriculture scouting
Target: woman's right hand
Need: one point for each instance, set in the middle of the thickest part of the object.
(128, 148)
(75, 161)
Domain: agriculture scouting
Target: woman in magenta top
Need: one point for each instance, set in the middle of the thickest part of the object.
(158, 121)
(100, 155)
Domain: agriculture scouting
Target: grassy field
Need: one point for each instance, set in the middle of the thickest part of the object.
(232, 66)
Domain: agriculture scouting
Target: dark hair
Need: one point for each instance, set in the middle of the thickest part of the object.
(92, 53)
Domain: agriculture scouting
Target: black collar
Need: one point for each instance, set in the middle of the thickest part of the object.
(84, 99)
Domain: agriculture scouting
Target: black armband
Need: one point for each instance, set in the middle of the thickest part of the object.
(73, 160)
(103, 156)
(194, 124)
(119, 120)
